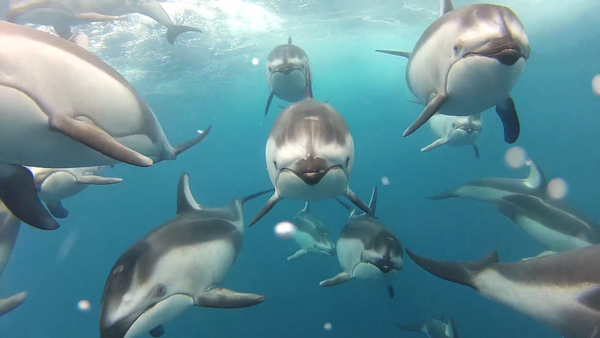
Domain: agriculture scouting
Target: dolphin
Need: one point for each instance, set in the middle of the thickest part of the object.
(467, 61)
(179, 264)
(288, 74)
(309, 154)
(59, 116)
(367, 250)
(455, 131)
(311, 235)
(434, 328)
(9, 231)
(552, 223)
(559, 290)
(62, 14)
(56, 184)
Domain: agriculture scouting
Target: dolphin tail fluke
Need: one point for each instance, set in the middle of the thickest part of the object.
(174, 31)
(269, 100)
(180, 148)
(98, 180)
(393, 52)
(444, 195)
(432, 107)
(340, 278)
(476, 150)
(298, 254)
(350, 195)
(412, 327)
(457, 272)
(228, 299)
(11, 303)
(510, 120)
(268, 206)
(158, 331)
(57, 209)
(435, 144)
(19, 195)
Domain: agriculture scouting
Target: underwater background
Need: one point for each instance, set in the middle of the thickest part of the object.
(209, 78)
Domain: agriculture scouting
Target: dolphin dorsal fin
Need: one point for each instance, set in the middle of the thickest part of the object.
(290, 40)
(537, 178)
(185, 199)
(81, 40)
(445, 7)
(306, 207)
(373, 202)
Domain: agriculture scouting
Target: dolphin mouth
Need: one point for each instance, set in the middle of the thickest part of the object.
(312, 177)
(505, 49)
(384, 265)
(121, 327)
(287, 69)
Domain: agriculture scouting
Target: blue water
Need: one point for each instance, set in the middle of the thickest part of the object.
(559, 119)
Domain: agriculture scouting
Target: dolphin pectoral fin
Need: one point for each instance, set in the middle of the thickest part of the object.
(98, 180)
(268, 206)
(340, 278)
(476, 150)
(157, 331)
(281, 106)
(457, 272)
(393, 52)
(350, 195)
(415, 102)
(11, 303)
(390, 290)
(81, 40)
(308, 84)
(542, 254)
(413, 327)
(174, 31)
(57, 210)
(227, 299)
(97, 139)
(444, 195)
(432, 107)
(435, 144)
(269, 102)
(19, 195)
(63, 30)
(510, 120)
(298, 254)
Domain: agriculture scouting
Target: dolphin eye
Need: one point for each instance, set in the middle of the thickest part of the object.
(275, 164)
(161, 290)
(455, 49)
(347, 161)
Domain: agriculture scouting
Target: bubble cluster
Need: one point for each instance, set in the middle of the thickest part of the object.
(515, 157)
(285, 230)
(84, 305)
(557, 188)
(385, 180)
(596, 84)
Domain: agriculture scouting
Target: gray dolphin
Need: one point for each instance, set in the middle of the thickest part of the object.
(553, 223)
(9, 231)
(434, 328)
(467, 61)
(179, 264)
(309, 155)
(455, 131)
(559, 290)
(71, 123)
(311, 234)
(288, 74)
(367, 250)
(62, 14)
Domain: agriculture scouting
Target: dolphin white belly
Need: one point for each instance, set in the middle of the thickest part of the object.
(335, 183)
(551, 239)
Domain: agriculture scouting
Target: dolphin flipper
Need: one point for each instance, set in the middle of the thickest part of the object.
(510, 120)
(340, 278)
(476, 150)
(390, 290)
(432, 107)
(298, 254)
(413, 327)
(98, 180)
(228, 299)
(57, 210)
(350, 195)
(158, 331)
(269, 103)
(268, 206)
(11, 303)
(98, 140)
(435, 144)
(393, 52)
(19, 195)
(444, 195)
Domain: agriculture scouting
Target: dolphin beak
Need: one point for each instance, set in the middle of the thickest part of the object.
(286, 69)
(384, 265)
(505, 49)
(311, 170)
(118, 329)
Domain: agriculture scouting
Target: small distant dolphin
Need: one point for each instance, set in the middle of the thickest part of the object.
(466, 61)
(455, 131)
(559, 290)
(288, 74)
(552, 223)
(310, 154)
(367, 250)
(71, 123)
(311, 235)
(179, 264)
(434, 328)
(9, 231)
(56, 184)
(62, 14)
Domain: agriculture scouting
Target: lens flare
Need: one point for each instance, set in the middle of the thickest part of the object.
(596, 84)
(327, 326)
(255, 61)
(285, 230)
(84, 305)
(385, 180)
(515, 157)
(557, 188)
